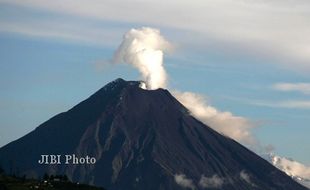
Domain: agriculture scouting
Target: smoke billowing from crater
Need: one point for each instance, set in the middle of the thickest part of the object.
(144, 49)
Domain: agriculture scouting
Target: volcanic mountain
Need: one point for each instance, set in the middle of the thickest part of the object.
(142, 140)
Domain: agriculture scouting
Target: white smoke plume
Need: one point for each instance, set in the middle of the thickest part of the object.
(183, 181)
(211, 182)
(144, 49)
(235, 127)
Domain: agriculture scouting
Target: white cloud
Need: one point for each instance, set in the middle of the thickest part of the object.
(183, 181)
(300, 172)
(270, 28)
(298, 87)
(235, 127)
(66, 30)
(289, 104)
(291, 167)
(295, 104)
(211, 182)
(292, 104)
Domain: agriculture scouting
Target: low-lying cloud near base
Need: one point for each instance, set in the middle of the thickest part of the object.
(183, 181)
(215, 182)
(246, 177)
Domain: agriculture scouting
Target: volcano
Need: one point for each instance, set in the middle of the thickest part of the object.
(141, 140)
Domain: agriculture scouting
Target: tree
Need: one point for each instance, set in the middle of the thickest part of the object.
(23, 178)
(45, 176)
(1, 170)
(65, 178)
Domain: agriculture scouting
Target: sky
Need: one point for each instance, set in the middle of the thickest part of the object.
(251, 58)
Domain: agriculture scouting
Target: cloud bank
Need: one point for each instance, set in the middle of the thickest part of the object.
(277, 29)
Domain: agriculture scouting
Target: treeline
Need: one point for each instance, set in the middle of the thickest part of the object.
(47, 182)
(55, 177)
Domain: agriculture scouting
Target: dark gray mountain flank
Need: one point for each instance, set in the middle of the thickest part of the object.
(141, 140)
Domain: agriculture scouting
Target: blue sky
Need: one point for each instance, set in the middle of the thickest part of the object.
(233, 53)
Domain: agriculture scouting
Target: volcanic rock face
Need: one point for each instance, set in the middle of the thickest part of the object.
(142, 140)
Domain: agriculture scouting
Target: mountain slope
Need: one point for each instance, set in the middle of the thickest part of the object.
(142, 139)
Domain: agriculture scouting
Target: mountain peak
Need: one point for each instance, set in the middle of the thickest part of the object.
(141, 139)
